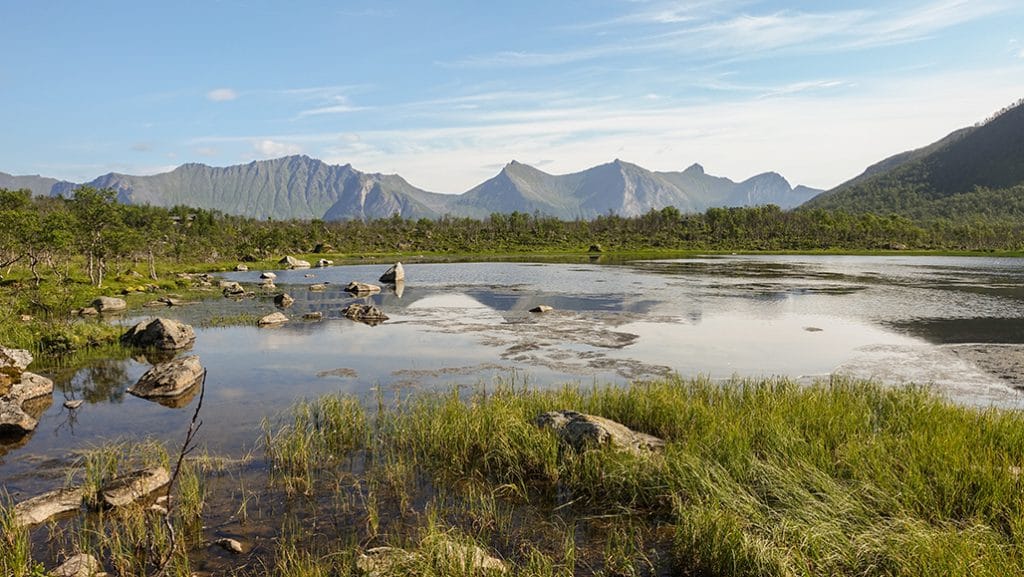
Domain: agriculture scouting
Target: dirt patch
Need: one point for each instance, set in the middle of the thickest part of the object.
(1005, 362)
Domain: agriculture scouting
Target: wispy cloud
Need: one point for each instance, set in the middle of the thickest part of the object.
(221, 95)
(730, 29)
(268, 148)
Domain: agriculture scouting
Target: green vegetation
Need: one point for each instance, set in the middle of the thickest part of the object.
(759, 478)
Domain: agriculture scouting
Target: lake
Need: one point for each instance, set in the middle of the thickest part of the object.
(954, 323)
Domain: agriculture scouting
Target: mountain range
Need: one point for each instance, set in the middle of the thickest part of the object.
(306, 188)
(973, 171)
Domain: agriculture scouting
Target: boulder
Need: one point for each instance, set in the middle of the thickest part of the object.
(284, 300)
(368, 314)
(582, 431)
(13, 363)
(233, 289)
(542, 309)
(267, 275)
(392, 561)
(322, 247)
(595, 248)
(109, 304)
(292, 262)
(132, 487)
(44, 507)
(159, 333)
(272, 319)
(13, 414)
(323, 263)
(393, 274)
(361, 288)
(170, 379)
(80, 565)
(241, 267)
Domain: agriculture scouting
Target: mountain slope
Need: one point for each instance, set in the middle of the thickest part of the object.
(305, 188)
(958, 175)
(289, 187)
(621, 188)
(39, 185)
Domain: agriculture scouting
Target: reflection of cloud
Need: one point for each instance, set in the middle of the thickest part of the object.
(221, 95)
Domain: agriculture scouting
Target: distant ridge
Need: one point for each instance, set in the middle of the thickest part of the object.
(978, 170)
(305, 188)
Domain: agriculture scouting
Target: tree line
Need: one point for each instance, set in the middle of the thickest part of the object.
(90, 234)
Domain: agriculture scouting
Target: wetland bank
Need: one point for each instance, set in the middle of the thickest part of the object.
(324, 440)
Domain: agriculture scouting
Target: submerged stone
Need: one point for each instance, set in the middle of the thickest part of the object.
(42, 508)
(272, 319)
(129, 488)
(369, 314)
(357, 287)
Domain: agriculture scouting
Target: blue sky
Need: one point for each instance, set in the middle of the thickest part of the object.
(446, 92)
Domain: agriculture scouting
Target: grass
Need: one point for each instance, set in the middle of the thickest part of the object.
(758, 477)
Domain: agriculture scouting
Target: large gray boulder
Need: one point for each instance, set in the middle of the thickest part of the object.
(581, 432)
(15, 416)
(292, 262)
(171, 379)
(159, 333)
(393, 274)
(109, 304)
(13, 363)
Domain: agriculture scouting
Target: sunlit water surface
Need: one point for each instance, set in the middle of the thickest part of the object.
(955, 323)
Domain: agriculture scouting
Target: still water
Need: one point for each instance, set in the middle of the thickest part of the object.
(954, 323)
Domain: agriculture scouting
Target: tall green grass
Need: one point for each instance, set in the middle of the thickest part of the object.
(758, 477)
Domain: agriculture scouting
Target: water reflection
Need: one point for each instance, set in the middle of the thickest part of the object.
(467, 323)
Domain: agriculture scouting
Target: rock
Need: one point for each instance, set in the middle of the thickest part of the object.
(169, 379)
(267, 275)
(249, 258)
(392, 561)
(233, 289)
(25, 318)
(582, 431)
(386, 562)
(159, 333)
(393, 274)
(241, 267)
(292, 262)
(72, 404)
(308, 275)
(88, 312)
(284, 300)
(80, 565)
(166, 301)
(313, 316)
(357, 287)
(229, 544)
(272, 319)
(268, 286)
(323, 263)
(109, 304)
(318, 287)
(368, 314)
(14, 417)
(595, 248)
(322, 247)
(13, 363)
(541, 309)
(43, 507)
(129, 488)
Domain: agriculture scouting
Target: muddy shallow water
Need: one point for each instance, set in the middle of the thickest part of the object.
(956, 323)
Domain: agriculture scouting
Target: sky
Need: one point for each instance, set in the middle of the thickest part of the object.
(447, 92)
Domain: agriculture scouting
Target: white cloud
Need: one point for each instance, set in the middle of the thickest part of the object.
(207, 151)
(268, 148)
(221, 95)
